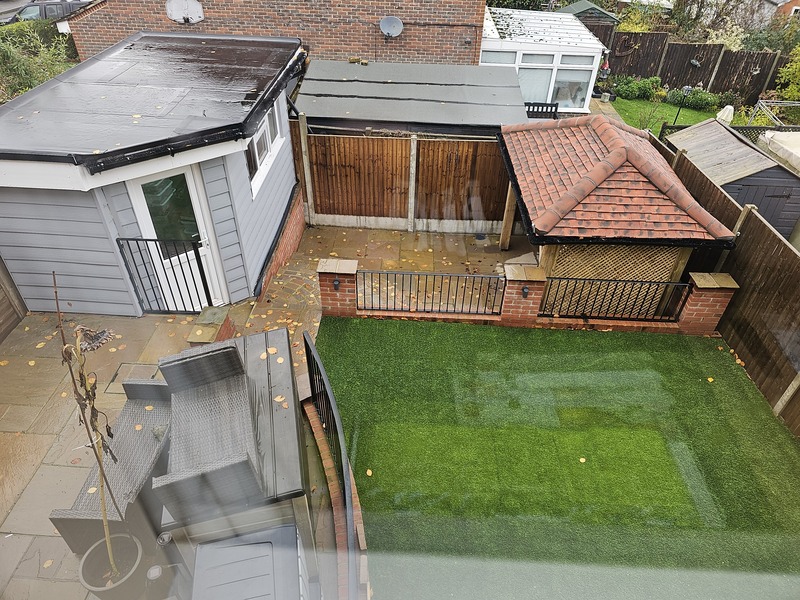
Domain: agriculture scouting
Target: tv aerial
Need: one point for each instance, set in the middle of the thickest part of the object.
(391, 27)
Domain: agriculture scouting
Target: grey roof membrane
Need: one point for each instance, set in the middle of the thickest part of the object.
(145, 90)
(410, 93)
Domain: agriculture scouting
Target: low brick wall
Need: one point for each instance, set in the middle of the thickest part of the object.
(289, 240)
(525, 285)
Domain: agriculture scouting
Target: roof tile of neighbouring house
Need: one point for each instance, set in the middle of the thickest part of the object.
(590, 177)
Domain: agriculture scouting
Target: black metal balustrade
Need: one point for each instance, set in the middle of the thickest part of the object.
(325, 403)
(402, 291)
(614, 299)
(167, 275)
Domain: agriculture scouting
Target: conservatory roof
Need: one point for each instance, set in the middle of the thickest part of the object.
(591, 178)
(537, 27)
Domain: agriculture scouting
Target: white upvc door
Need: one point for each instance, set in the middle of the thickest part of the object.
(172, 208)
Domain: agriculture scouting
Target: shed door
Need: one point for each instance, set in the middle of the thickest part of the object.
(170, 212)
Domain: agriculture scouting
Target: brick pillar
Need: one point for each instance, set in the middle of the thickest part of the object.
(337, 286)
(520, 311)
(710, 295)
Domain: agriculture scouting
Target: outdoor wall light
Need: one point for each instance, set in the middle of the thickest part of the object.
(336, 283)
(525, 291)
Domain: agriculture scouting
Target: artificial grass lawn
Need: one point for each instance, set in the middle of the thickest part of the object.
(632, 112)
(474, 437)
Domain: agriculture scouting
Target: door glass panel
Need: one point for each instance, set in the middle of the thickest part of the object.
(570, 90)
(29, 13)
(534, 83)
(170, 206)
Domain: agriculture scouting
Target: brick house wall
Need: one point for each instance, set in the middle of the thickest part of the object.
(448, 31)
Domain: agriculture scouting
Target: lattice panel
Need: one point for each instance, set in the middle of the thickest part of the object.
(643, 263)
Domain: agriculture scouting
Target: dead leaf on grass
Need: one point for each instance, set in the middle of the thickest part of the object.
(710, 380)
(369, 472)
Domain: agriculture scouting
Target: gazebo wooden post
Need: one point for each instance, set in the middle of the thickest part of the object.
(508, 219)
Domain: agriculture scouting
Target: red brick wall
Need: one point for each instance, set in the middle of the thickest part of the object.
(448, 31)
(341, 302)
(289, 240)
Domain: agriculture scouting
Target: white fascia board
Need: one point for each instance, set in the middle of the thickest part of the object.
(536, 47)
(63, 176)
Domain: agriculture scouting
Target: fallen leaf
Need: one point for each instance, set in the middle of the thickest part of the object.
(285, 405)
(149, 407)
(279, 398)
(199, 332)
(122, 347)
(333, 254)
(112, 349)
(190, 319)
(3, 363)
(369, 472)
(118, 336)
(40, 345)
(582, 459)
(27, 328)
(731, 351)
(75, 461)
(31, 363)
(313, 489)
(248, 324)
(171, 334)
(279, 360)
(710, 380)
(91, 490)
(184, 322)
(47, 564)
(48, 337)
(137, 427)
(63, 394)
(720, 348)
(263, 356)
(296, 364)
(170, 320)
(272, 350)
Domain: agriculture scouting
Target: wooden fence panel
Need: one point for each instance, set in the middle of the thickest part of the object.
(744, 72)
(637, 54)
(782, 62)
(678, 70)
(709, 195)
(360, 176)
(791, 413)
(762, 322)
(460, 180)
(602, 31)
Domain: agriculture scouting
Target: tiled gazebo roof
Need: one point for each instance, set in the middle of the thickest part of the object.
(593, 178)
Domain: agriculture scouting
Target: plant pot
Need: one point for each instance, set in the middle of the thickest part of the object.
(129, 558)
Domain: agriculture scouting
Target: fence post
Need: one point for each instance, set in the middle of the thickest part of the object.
(771, 71)
(748, 208)
(787, 395)
(711, 293)
(716, 68)
(523, 296)
(412, 184)
(312, 215)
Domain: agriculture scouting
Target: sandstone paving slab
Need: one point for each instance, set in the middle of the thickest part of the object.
(20, 457)
(70, 447)
(58, 409)
(19, 417)
(12, 549)
(27, 380)
(48, 558)
(38, 589)
(51, 487)
(169, 337)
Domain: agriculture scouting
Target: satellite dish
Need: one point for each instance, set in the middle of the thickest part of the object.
(391, 26)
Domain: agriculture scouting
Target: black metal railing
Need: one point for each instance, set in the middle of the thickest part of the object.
(402, 291)
(167, 275)
(614, 299)
(325, 403)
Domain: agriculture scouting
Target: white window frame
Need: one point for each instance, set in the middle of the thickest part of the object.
(795, 11)
(269, 137)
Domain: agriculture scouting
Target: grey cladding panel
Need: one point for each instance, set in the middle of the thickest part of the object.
(42, 231)
(217, 184)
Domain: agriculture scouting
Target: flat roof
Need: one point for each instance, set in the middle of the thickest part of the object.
(151, 90)
(537, 27)
(453, 95)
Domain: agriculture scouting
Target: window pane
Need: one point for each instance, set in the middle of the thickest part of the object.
(170, 207)
(272, 125)
(261, 146)
(540, 59)
(570, 90)
(32, 12)
(499, 58)
(577, 60)
(534, 83)
(52, 11)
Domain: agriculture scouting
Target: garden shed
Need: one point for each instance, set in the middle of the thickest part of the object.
(556, 57)
(405, 146)
(743, 170)
(613, 224)
(155, 176)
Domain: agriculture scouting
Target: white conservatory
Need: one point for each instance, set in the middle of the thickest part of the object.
(555, 55)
